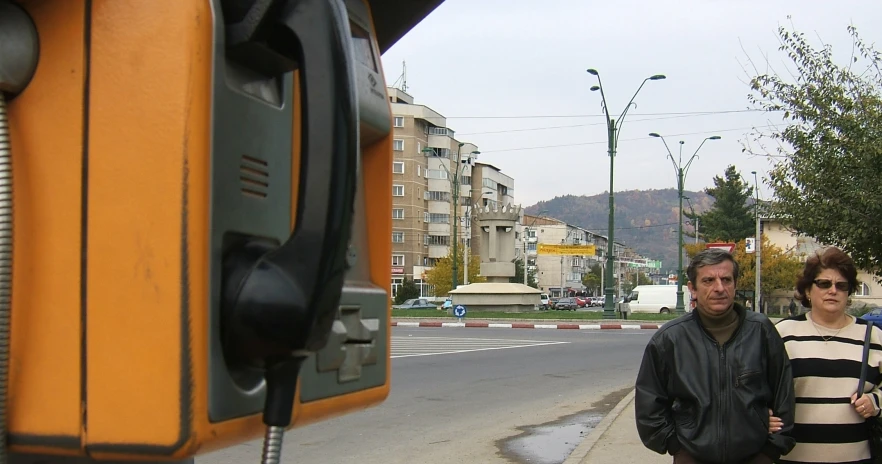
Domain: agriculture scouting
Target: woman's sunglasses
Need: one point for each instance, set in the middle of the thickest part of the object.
(824, 284)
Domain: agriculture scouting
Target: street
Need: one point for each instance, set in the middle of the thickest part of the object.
(462, 395)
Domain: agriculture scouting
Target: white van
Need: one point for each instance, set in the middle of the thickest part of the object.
(656, 299)
(543, 301)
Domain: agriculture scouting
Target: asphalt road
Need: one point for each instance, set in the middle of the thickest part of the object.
(474, 395)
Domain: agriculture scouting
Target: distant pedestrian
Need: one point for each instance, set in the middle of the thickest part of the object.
(748, 305)
(792, 307)
(709, 379)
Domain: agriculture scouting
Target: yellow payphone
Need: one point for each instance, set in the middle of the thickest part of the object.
(195, 223)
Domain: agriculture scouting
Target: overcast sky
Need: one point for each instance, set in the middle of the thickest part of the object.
(510, 77)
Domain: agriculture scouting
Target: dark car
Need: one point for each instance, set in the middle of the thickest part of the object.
(567, 303)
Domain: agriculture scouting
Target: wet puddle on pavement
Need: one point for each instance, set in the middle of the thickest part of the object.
(552, 442)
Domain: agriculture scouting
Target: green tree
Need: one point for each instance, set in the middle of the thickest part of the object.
(406, 291)
(827, 171)
(730, 219)
(519, 274)
(591, 280)
(441, 276)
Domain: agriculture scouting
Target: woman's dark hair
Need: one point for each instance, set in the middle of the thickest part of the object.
(826, 258)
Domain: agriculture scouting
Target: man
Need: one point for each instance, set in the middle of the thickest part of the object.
(710, 378)
(792, 307)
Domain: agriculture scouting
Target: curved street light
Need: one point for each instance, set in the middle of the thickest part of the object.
(613, 129)
(680, 170)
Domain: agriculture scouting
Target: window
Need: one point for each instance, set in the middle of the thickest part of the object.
(439, 152)
(419, 147)
(399, 121)
(489, 183)
(531, 246)
(397, 237)
(419, 170)
(397, 190)
(862, 289)
(398, 260)
(398, 145)
(436, 174)
(443, 240)
(397, 213)
(436, 218)
(398, 167)
(396, 282)
(433, 195)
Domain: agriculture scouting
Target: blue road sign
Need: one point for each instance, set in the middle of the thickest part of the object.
(459, 311)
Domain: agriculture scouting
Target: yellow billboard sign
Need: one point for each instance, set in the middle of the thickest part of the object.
(565, 250)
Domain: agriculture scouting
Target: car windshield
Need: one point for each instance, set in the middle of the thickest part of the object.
(411, 301)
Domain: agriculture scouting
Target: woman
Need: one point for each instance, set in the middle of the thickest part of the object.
(825, 346)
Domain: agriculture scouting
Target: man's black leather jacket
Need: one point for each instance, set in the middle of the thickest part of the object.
(711, 400)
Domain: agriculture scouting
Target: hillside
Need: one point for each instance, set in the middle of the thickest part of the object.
(646, 220)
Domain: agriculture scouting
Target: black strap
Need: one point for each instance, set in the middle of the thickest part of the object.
(863, 379)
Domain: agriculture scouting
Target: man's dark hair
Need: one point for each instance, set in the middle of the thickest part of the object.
(709, 257)
(826, 258)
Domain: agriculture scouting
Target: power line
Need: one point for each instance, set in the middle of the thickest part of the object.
(551, 116)
(604, 141)
(507, 131)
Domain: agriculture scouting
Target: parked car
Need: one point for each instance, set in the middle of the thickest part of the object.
(544, 303)
(874, 316)
(448, 303)
(567, 303)
(415, 303)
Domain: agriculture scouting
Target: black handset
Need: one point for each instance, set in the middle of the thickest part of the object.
(278, 303)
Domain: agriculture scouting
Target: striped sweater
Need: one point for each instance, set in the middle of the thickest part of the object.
(825, 375)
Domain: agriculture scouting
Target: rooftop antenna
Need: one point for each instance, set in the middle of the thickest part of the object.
(401, 82)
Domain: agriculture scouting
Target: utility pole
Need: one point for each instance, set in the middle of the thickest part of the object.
(613, 131)
(465, 254)
(456, 211)
(757, 244)
(680, 170)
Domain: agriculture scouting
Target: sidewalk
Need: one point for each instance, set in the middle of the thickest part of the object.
(615, 440)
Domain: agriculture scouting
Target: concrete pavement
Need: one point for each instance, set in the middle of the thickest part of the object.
(615, 440)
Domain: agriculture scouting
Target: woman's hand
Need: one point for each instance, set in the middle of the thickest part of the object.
(864, 406)
(775, 423)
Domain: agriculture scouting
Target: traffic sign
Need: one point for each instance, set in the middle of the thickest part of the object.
(459, 311)
(730, 247)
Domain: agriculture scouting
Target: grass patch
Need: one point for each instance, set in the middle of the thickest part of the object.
(550, 315)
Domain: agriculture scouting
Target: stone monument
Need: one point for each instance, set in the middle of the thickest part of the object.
(497, 230)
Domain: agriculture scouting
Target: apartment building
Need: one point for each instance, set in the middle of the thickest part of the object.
(562, 275)
(428, 162)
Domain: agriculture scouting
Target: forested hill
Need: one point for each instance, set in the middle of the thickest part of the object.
(646, 220)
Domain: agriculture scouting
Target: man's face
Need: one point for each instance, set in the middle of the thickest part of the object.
(714, 288)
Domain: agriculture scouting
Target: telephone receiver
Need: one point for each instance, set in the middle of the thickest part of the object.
(279, 302)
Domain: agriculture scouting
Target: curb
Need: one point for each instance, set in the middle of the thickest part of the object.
(494, 325)
(581, 451)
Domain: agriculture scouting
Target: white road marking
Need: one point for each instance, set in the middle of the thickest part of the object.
(406, 347)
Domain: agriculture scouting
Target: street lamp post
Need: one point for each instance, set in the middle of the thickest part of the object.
(681, 172)
(454, 178)
(613, 129)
